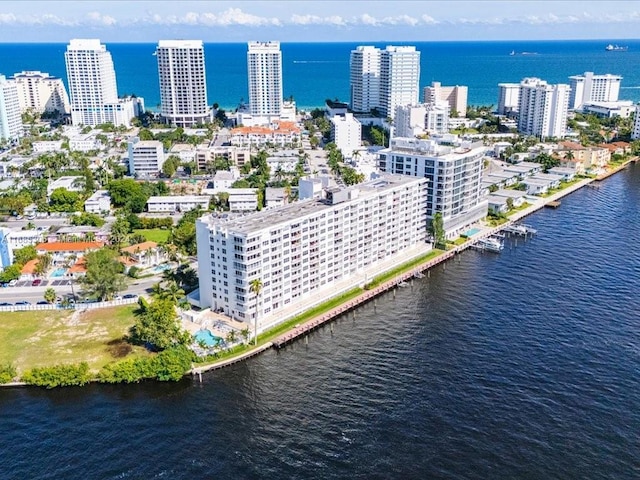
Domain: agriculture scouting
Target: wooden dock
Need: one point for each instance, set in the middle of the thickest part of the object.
(553, 204)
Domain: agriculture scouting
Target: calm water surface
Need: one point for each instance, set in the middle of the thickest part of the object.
(520, 365)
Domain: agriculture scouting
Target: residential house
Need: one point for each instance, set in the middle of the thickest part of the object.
(275, 197)
(177, 203)
(145, 254)
(99, 202)
(517, 196)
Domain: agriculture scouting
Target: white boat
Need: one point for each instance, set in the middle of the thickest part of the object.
(491, 244)
(419, 275)
(615, 48)
(403, 284)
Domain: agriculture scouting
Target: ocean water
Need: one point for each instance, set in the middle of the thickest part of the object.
(315, 71)
(522, 365)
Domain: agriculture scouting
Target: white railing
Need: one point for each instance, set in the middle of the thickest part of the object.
(78, 306)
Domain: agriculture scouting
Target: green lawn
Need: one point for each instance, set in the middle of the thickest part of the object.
(157, 235)
(45, 338)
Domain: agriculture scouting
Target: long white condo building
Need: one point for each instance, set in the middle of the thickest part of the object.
(310, 250)
(364, 65)
(454, 172)
(264, 66)
(183, 84)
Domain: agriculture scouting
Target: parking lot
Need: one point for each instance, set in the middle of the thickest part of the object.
(43, 283)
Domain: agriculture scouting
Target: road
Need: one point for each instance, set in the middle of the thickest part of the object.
(36, 294)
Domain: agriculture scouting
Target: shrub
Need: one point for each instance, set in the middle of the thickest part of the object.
(7, 373)
(168, 365)
(58, 376)
(133, 272)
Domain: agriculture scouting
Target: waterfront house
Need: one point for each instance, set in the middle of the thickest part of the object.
(497, 204)
(536, 186)
(566, 173)
(517, 196)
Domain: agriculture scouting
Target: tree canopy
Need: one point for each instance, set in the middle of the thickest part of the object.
(104, 277)
(157, 325)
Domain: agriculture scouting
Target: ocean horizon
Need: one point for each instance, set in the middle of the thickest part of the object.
(315, 71)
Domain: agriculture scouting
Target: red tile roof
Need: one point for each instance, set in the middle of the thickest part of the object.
(68, 246)
(140, 247)
(30, 267)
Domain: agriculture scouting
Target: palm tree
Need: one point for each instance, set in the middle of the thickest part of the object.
(50, 295)
(245, 334)
(231, 337)
(255, 287)
(173, 292)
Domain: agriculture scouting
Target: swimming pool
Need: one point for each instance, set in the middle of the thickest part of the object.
(161, 268)
(471, 232)
(207, 337)
(58, 272)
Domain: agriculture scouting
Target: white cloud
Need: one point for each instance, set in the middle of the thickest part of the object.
(226, 18)
(34, 20)
(101, 19)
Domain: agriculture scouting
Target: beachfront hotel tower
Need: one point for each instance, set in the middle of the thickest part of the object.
(41, 92)
(590, 88)
(264, 66)
(311, 250)
(183, 85)
(92, 85)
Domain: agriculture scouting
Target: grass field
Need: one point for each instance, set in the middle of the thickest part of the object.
(157, 235)
(45, 338)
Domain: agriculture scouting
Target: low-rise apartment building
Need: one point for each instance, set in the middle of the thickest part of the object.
(177, 203)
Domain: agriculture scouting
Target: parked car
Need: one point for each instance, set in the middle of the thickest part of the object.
(36, 282)
(42, 302)
(130, 295)
(12, 283)
(5, 304)
(23, 302)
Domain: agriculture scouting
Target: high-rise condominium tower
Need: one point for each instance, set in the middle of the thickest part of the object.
(365, 78)
(92, 82)
(264, 62)
(543, 108)
(10, 118)
(399, 78)
(183, 85)
(384, 79)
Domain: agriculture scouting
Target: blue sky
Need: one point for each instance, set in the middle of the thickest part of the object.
(290, 21)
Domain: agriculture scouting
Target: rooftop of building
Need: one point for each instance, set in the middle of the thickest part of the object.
(177, 198)
(68, 246)
(139, 247)
(298, 210)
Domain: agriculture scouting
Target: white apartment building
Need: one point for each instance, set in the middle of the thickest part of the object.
(84, 142)
(12, 240)
(177, 203)
(99, 202)
(92, 86)
(621, 108)
(236, 155)
(10, 116)
(508, 98)
(454, 174)
(590, 88)
(243, 199)
(146, 157)
(41, 92)
(312, 187)
(45, 146)
(346, 133)
(264, 66)
(543, 108)
(310, 248)
(415, 120)
(409, 120)
(364, 67)
(455, 96)
(70, 183)
(399, 78)
(183, 84)
(635, 134)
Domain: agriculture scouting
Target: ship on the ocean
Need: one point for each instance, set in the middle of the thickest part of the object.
(615, 48)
